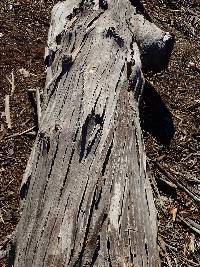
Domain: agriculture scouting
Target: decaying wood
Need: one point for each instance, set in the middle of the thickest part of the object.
(88, 197)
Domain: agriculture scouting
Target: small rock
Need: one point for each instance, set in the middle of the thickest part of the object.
(11, 152)
(191, 65)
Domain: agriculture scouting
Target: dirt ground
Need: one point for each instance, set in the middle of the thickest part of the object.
(170, 116)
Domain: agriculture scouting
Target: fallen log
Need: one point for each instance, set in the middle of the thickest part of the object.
(87, 196)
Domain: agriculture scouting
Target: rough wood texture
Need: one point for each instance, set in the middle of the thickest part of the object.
(88, 200)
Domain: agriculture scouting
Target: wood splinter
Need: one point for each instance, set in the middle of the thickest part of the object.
(7, 111)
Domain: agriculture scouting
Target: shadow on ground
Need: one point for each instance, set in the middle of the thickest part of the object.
(156, 119)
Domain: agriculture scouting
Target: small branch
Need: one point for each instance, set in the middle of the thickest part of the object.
(6, 240)
(176, 182)
(7, 111)
(191, 224)
(13, 83)
(3, 246)
(4, 189)
(19, 134)
(190, 262)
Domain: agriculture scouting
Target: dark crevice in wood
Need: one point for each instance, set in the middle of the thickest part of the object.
(105, 163)
(103, 4)
(25, 187)
(62, 219)
(67, 172)
(41, 234)
(147, 202)
(122, 205)
(45, 144)
(66, 65)
(120, 75)
(131, 255)
(11, 253)
(59, 38)
(95, 19)
(88, 127)
(111, 33)
(78, 262)
(147, 252)
(65, 98)
(76, 10)
(98, 197)
(96, 252)
(51, 167)
(49, 59)
(84, 137)
(108, 249)
(140, 9)
(95, 140)
(81, 202)
(32, 99)
(48, 243)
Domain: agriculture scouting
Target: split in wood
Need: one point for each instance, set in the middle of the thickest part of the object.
(38, 103)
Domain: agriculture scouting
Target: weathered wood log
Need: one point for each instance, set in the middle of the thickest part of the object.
(88, 199)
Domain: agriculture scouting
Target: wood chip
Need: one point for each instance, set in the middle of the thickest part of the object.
(2, 132)
(1, 217)
(192, 243)
(7, 111)
(174, 213)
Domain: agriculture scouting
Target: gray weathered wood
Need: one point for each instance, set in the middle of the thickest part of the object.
(88, 199)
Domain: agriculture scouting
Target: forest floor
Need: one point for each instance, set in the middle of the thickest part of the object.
(170, 116)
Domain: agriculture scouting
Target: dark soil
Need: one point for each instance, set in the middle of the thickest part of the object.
(170, 115)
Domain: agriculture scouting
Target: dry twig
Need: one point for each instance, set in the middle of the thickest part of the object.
(191, 224)
(7, 111)
(21, 133)
(13, 83)
(175, 181)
